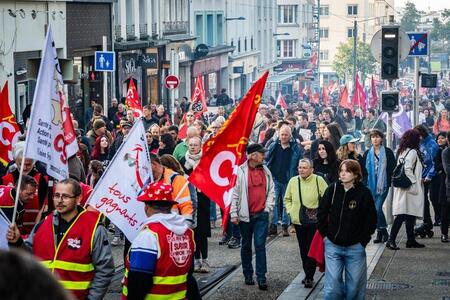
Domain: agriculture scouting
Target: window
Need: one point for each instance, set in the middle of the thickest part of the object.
(251, 43)
(288, 48)
(210, 30)
(245, 44)
(323, 33)
(287, 14)
(324, 10)
(239, 45)
(323, 55)
(219, 18)
(199, 28)
(278, 48)
(350, 32)
(352, 10)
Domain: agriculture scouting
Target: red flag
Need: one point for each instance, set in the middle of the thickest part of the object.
(335, 87)
(182, 130)
(198, 97)
(215, 174)
(316, 97)
(325, 96)
(313, 60)
(9, 129)
(281, 102)
(359, 97)
(310, 95)
(132, 100)
(343, 102)
(373, 91)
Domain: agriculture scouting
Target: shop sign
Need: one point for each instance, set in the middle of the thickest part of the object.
(148, 60)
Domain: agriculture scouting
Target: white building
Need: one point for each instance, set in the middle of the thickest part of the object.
(250, 28)
(22, 38)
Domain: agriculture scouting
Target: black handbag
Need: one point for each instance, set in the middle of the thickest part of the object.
(308, 216)
(399, 178)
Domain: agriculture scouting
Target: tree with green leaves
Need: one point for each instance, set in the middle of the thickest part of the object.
(343, 60)
(410, 18)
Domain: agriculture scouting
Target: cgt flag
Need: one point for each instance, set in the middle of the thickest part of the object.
(115, 194)
(9, 129)
(198, 98)
(132, 100)
(46, 140)
(215, 174)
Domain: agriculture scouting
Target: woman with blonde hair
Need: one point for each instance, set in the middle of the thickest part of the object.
(442, 123)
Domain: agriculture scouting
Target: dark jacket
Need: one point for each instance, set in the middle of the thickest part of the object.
(295, 157)
(348, 219)
(446, 167)
(329, 172)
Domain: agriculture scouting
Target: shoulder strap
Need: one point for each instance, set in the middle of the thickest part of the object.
(300, 191)
(317, 185)
(334, 192)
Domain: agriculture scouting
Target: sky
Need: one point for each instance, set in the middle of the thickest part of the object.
(425, 5)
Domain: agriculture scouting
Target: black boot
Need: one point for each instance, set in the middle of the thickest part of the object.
(392, 245)
(384, 235)
(444, 238)
(414, 244)
(379, 237)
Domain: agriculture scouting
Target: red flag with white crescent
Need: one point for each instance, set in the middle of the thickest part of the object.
(9, 129)
(215, 174)
(132, 100)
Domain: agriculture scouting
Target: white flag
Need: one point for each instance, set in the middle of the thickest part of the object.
(116, 192)
(46, 140)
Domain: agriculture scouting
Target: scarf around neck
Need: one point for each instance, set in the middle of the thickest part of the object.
(192, 160)
(377, 180)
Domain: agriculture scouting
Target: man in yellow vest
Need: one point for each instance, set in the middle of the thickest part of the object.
(160, 257)
(72, 244)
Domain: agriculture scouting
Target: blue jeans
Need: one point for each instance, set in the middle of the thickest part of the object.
(381, 219)
(258, 229)
(212, 211)
(352, 261)
(280, 190)
(233, 230)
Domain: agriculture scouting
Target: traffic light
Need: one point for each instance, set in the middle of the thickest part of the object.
(389, 52)
(428, 80)
(389, 101)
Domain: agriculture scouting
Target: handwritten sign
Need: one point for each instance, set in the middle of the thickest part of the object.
(116, 192)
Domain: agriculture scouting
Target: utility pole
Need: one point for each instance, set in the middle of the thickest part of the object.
(318, 44)
(355, 36)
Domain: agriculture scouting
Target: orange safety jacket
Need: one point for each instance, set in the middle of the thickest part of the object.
(172, 267)
(182, 196)
(71, 258)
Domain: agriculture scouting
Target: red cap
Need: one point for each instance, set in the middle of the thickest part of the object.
(157, 191)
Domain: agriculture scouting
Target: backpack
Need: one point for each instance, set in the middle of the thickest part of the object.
(399, 178)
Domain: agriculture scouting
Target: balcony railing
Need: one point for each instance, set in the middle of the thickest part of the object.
(143, 32)
(175, 27)
(130, 33)
(154, 30)
(117, 32)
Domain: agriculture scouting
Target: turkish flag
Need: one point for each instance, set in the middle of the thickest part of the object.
(325, 96)
(215, 174)
(343, 102)
(198, 97)
(132, 100)
(9, 129)
(374, 94)
(359, 97)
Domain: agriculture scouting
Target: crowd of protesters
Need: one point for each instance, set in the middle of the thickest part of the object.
(310, 167)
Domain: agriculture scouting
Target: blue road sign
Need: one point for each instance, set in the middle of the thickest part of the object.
(419, 43)
(105, 61)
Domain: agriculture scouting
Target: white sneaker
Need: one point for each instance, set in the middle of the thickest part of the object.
(115, 241)
(197, 265)
(205, 266)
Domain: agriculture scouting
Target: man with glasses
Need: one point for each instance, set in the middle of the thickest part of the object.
(72, 244)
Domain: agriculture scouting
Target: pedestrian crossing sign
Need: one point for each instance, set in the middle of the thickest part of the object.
(419, 43)
(105, 61)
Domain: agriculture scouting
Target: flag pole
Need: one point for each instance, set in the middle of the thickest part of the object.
(19, 182)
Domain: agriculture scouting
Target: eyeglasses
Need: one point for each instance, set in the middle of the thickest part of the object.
(189, 116)
(62, 196)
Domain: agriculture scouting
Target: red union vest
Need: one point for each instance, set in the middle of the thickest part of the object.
(71, 259)
(174, 262)
(6, 198)
(31, 208)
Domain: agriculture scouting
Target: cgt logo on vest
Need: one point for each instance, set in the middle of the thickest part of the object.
(74, 244)
(179, 248)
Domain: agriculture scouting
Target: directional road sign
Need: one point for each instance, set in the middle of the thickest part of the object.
(105, 61)
(419, 43)
(172, 82)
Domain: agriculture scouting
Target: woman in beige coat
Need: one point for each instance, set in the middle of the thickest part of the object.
(407, 204)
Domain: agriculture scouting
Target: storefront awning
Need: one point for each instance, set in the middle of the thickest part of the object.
(279, 78)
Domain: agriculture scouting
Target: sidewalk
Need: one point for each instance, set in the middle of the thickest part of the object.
(404, 274)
